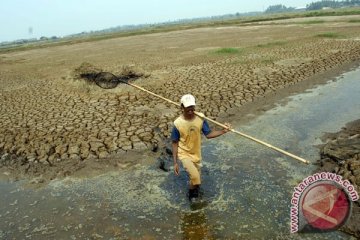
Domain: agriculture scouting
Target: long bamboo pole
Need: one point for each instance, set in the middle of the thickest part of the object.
(256, 140)
(224, 126)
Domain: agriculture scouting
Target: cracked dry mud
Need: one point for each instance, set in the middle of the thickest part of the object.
(50, 117)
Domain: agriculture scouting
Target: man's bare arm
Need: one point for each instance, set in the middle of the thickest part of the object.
(217, 133)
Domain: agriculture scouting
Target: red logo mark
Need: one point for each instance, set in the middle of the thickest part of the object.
(325, 206)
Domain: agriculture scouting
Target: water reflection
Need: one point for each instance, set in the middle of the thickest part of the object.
(194, 225)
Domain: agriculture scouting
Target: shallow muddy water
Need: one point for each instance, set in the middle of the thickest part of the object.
(246, 186)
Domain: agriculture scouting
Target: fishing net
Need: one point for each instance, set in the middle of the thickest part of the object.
(107, 80)
(104, 79)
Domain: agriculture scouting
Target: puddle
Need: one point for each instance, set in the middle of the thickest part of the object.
(246, 186)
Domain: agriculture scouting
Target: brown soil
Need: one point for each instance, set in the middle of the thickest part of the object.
(53, 124)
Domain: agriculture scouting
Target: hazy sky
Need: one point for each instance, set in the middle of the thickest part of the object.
(22, 19)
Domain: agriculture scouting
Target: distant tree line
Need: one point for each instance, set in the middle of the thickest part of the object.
(331, 4)
(314, 6)
(279, 8)
(28, 41)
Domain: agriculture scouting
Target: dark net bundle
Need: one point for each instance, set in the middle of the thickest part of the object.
(107, 80)
(103, 79)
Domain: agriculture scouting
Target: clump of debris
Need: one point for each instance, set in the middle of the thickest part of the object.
(105, 79)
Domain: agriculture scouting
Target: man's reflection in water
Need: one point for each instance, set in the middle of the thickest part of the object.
(194, 225)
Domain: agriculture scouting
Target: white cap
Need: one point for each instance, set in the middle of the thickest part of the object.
(188, 100)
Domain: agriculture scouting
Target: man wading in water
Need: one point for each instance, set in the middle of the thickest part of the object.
(186, 142)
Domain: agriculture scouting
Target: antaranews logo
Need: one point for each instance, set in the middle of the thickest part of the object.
(321, 202)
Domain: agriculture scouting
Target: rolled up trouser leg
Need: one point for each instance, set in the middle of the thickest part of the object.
(193, 169)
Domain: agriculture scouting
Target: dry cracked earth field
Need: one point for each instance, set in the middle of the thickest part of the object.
(48, 117)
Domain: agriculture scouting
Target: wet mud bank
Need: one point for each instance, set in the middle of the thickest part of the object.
(341, 155)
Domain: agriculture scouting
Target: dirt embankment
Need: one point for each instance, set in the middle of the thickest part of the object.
(49, 118)
(341, 155)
